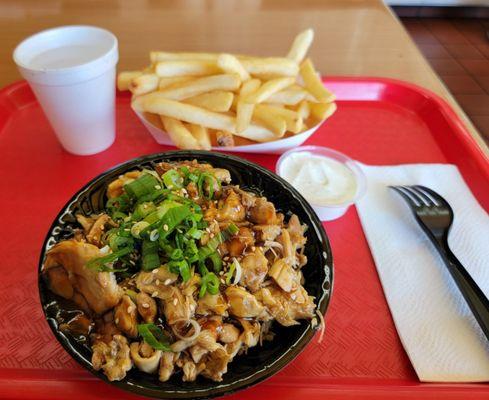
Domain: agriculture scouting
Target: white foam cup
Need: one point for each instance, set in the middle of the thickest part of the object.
(71, 70)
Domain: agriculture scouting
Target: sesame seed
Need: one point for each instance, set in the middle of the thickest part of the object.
(167, 281)
(155, 271)
(130, 309)
(225, 258)
(157, 281)
(145, 305)
(211, 235)
(175, 301)
(223, 281)
(154, 294)
(221, 273)
(157, 187)
(207, 230)
(253, 248)
(293, 296)
(117, 320)
(165, 227)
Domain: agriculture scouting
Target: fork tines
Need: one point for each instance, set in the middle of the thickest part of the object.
(419, 196)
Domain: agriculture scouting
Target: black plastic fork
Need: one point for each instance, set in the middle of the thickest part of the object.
(435, 216)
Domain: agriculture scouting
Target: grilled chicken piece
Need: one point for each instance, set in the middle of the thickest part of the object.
(212, 304)
(99, 289)
(288, 251)
(254, 268)
(240, 242)
(167, 365)
(114, 358)
(263, 212)
(85, 222)
(105, 328)
(190, 370)
(156, 283)
(285, 276)
(265, 233)
(216, 364)
(116, 188)
(126, 317)
(145, 357)
(96, 231)
(147, 307)
(191, 286)
(251, 332)
(220, 173)
(197, 352)
(231, 208)
(296, 232)
(242, 304)
(228, 333)
(233, 348)
(178, 307)
(287, 308)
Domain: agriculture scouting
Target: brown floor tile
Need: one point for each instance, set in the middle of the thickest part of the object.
(484, 49)
(474, 104)
(476, 67)
(471, 29)
(462, 84)
(444, 31)
(446, 66)
(483, 82)
(419, 33)
(481, 122)
(433, 50)
(464, 51)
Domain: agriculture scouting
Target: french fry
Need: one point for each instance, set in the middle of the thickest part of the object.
(303, 109)
(157, 56)
(124, 79)
(179, 134)
(224, 139)
(158, 104)
(143, 84)
(217, 101)
(244, 111)
(301, 45)
(290, 96)
(172, 81)
(231, 65)
(313, 84)
(322, 111)
(272, 121)
(292, 119)
(201, 134)
(190, 68)
(202, 85)
(267, 89)
(270, 67)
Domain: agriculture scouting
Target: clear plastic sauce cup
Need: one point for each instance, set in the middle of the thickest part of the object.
(329, 180)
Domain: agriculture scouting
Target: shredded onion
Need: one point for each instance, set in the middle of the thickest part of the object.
(194, 324)
(105, 250)
(238, 272)
(270, 243)
(322, 325)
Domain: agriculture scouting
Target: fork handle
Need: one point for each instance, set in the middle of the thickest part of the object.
(475, 298)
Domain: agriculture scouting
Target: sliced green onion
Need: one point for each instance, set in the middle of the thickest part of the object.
(138, 227)
(213, 244)
(209, 179)
(142, 186)
(209, 283)
(117, 242)
(150, 257)
(154, 336)
(99, 263)
(142, 210)
(131, 293)
(172, 179)
(230, 273)
(216, 261)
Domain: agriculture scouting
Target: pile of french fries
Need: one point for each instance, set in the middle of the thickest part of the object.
(206, 99)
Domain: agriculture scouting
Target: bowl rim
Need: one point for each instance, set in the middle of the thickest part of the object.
(267, 370)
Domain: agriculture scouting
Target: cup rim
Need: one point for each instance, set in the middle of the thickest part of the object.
(111, 52)
(350, 163)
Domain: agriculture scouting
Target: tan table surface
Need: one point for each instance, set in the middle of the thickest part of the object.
(353, 37)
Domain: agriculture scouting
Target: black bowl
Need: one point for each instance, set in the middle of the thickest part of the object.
(246, 370)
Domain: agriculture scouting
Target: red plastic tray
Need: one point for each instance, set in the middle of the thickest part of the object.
(378, 121)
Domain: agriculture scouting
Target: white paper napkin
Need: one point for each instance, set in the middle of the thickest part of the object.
(437, 329)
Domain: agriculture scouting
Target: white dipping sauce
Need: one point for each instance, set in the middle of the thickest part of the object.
(321, 180)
